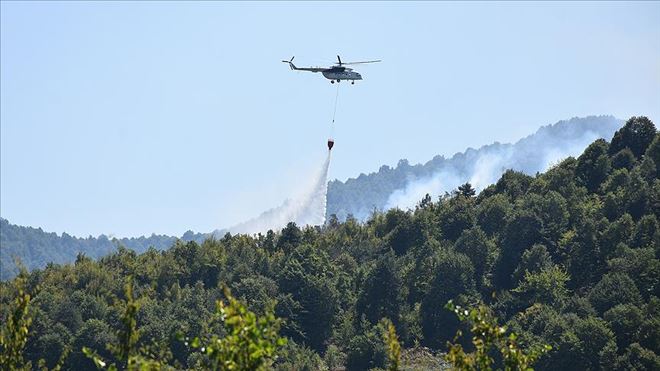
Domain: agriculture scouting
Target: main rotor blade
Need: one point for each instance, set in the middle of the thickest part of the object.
(339, 59)
(377, 60)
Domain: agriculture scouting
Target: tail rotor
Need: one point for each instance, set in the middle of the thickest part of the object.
(290, 62)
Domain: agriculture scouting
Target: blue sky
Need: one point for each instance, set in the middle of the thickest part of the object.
(131, 118)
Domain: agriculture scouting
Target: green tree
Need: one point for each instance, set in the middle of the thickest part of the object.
(14, 333)
(641, 265)
(593, 165)
(638, 358)
(392, 345)
(307, 278)
(366, 350)
(626, 321)
(482, 253)
(400, 231)
(533, 260)
(636, 134)
(381, 294)
(454, 277)
(455, 215)
(653, 152)
(422, 271)
(620, 231)
(595, 338)
(466, 190)
(488, 338)
(128, 355)
(513, 183)
(250, 343)
(614, 289)
(294, 357)
(624, 159)
(520, 233)
(492, 213)
(547, 286)
(290, 237)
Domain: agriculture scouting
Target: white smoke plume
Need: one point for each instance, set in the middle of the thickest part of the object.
(484, 167)
(306, 208)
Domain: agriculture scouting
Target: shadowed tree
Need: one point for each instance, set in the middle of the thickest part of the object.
(290, 237)
(454, 277)
(466, 190)
(624, 159)
(520, 233)
(636, 134)
(482, 252)
(492, 213)
(614, 289)
(381, 294)
(593, 165)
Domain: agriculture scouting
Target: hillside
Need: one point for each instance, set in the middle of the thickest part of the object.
(36, 248)
(405, 184)
(567, 258)
(401, 186)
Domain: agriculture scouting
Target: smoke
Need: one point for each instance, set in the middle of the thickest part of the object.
(484, 167)
(305, 208)
(414, 191)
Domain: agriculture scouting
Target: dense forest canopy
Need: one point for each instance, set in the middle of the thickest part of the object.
(567, 258)
(357, 197)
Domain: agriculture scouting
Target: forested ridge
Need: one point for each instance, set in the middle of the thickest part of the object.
(356, 196)
(361, 195)
(568, 258)
(35, 248)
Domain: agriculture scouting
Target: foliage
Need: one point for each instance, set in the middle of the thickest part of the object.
(392, 345)
(636, 135)
(14, 333)
(250, 342)
(567, 258)
(545, 286)
(488, 336)
(125, 350)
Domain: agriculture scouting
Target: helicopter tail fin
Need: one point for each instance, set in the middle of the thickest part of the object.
(290, 62)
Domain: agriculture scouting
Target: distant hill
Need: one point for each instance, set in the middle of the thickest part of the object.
(406, 184)
(36, 248)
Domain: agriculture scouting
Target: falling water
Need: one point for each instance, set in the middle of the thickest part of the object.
(307, 208)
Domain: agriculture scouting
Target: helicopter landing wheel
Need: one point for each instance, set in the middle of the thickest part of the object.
(352, 82)
(332, 81)
(338, 80)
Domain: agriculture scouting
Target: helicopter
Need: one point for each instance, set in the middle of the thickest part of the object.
(336, 73)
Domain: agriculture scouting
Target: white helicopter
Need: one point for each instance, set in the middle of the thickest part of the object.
(335, 73)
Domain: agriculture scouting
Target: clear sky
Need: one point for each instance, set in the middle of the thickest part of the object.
(131, 118)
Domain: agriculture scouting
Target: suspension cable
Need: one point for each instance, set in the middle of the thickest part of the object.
(334, 113)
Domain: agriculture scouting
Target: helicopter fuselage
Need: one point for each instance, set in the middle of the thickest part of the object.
(336, 74)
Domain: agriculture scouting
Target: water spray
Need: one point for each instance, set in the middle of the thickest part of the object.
(308, 207)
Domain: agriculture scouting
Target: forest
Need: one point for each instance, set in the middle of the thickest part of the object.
(35, 248)
(559, 270)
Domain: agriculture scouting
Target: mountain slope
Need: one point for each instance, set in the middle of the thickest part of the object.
(402, 186)
(566, 258)
(35, 248)
(406, 184)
